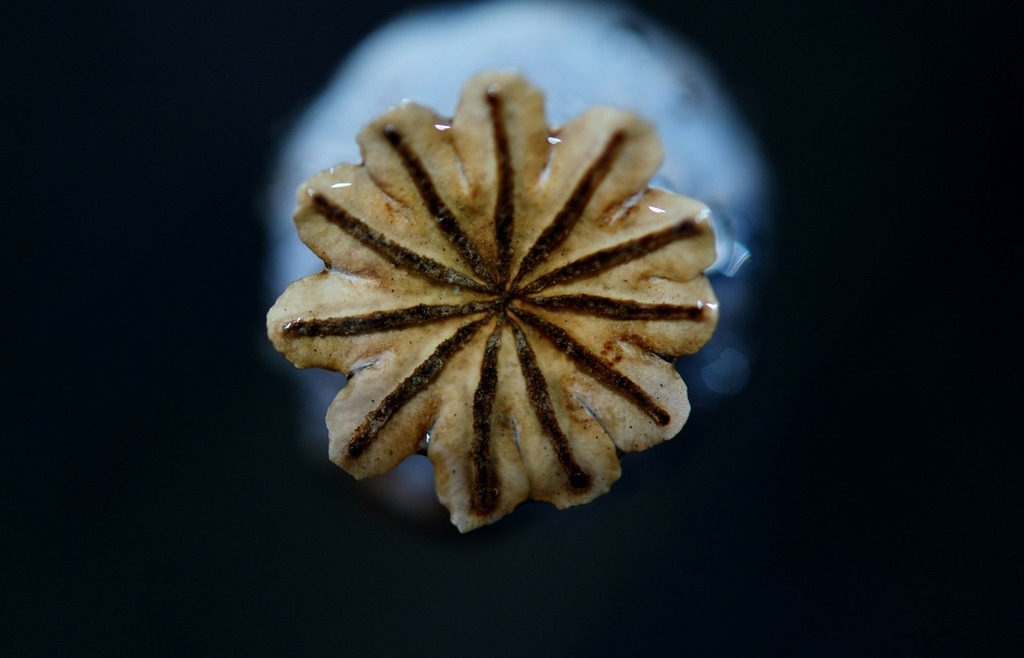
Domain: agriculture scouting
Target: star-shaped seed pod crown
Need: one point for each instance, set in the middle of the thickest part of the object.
(506, 297)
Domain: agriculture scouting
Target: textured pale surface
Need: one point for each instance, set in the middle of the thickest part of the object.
(414, 227)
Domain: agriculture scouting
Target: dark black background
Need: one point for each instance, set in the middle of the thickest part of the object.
(860, 498)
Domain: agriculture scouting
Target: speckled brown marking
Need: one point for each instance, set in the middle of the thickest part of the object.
(611, 353)
(575, 205)
(504, 209)
(485, 483)
(595, 367)
(540, 400)
(607, 258)
(424, 374)
(389, 249)
(617, 309)
(442, 214)
(381, 320)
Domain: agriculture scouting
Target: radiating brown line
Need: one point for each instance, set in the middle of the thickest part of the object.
(618, 309)
(389, 249)
(575, 205)
(424, 374)
(504, 210)
(381, 320)
(485, 484)
(617, 255)
(537, 389)
(428, 192)
(594, 366)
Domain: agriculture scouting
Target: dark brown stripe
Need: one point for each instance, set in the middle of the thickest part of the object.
(381, 320)
(595, 367)
(504, 209)
(442, 214)
(617, 255)
(424, 374)
(618, 309)
(537, 389)
(566, 219)
(389, 249)
(485, 492)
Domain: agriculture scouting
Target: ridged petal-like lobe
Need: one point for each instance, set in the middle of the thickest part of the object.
(336, 296)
